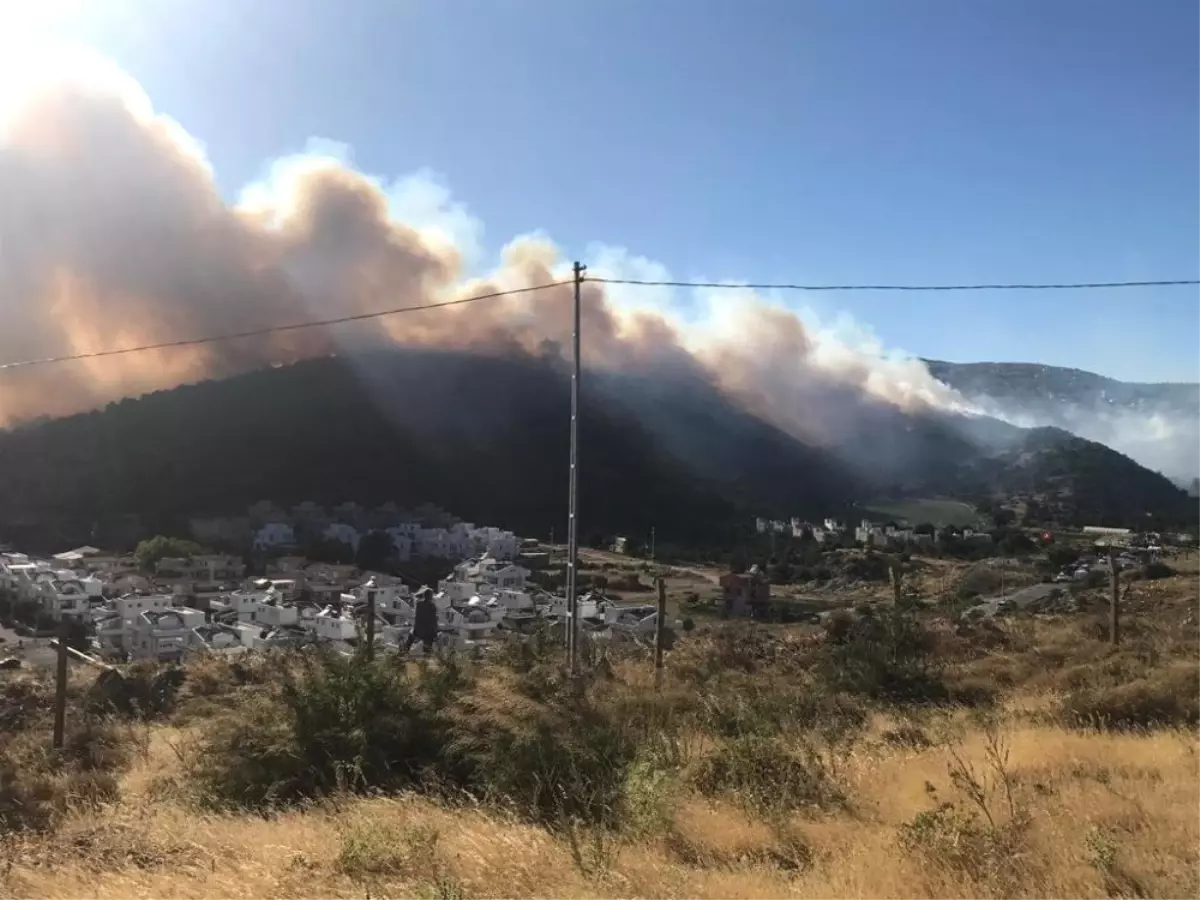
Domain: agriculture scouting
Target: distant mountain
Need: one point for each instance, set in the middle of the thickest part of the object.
(1156, 424)
(1031, 383)
(487, 438)
(1076, 480)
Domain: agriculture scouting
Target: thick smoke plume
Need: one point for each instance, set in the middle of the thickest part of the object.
(113, 234)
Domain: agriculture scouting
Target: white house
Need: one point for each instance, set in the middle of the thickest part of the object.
(216, 637)
(212, 568)
(471, 621)
(589, 607)
(274, 612)
(245, 604)
(130, 606)
(393, 599)
(513, 601)
(495, 542)
(131, 583)
(161, 635)
(402, 541)
(431, 542)
(274, 536)
(640, 619)
(331, 624)
(110, 634)
(63, 595)
(867, 533)
(489, 573)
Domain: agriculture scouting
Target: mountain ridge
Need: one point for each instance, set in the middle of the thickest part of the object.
(487, 437)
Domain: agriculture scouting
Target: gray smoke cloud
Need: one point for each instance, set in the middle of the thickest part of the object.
(113, 233)
(1164, 438)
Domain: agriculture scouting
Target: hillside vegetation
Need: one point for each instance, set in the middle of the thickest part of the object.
(487, 438)
(484, 437)
(904, 754)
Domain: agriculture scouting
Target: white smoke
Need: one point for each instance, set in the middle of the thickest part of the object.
(315, 238)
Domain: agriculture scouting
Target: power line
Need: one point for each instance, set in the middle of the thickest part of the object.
(1086, 285)
(272, 329)
(321, 323)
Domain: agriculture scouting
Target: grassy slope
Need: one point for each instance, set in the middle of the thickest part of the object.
(1109, 813)
(1131, 795)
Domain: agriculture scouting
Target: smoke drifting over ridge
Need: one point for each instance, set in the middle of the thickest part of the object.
(113, 234)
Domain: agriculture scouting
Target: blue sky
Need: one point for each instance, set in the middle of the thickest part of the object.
(762, 140)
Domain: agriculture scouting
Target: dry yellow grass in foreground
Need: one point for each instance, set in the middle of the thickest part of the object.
(1108, 815)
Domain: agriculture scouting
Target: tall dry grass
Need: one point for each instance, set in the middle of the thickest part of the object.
(753, 774)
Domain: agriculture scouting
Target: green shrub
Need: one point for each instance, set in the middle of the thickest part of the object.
(764, 706)
(767, 775)
(953, 840)
(370, 850)
(889, 656)
(557, 758)
(333, 724)
(980, 581)
(1156, 570)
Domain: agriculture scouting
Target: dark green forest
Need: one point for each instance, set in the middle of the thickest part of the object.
(487, 438)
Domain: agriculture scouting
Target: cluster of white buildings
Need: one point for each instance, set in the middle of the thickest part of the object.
(829, 529)
(207, 604)
(867, 533)
(409, 539)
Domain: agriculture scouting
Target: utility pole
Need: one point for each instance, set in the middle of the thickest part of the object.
(573, 490)
(651, 543)
(660, 632)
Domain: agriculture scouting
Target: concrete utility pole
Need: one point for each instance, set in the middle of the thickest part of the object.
(573, 491)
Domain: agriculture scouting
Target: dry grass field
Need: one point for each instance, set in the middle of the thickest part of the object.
(915, 758)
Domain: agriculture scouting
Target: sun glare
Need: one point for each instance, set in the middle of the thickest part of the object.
(25, 16)
(40, 45)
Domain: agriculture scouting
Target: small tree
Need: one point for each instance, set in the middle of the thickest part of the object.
(149, 552)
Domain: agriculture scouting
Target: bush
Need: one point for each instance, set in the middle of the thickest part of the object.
(144, 689)
(980, 582)
(889, 657)
(743, 706)
(39, 785)
(370, 850)
(767, 776)
(1156, 570)
(554, 756)
(873, 567)
(332, 724)
(954, 840)
(1168, 697)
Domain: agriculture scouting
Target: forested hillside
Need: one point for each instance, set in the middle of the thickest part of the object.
(487, 438)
